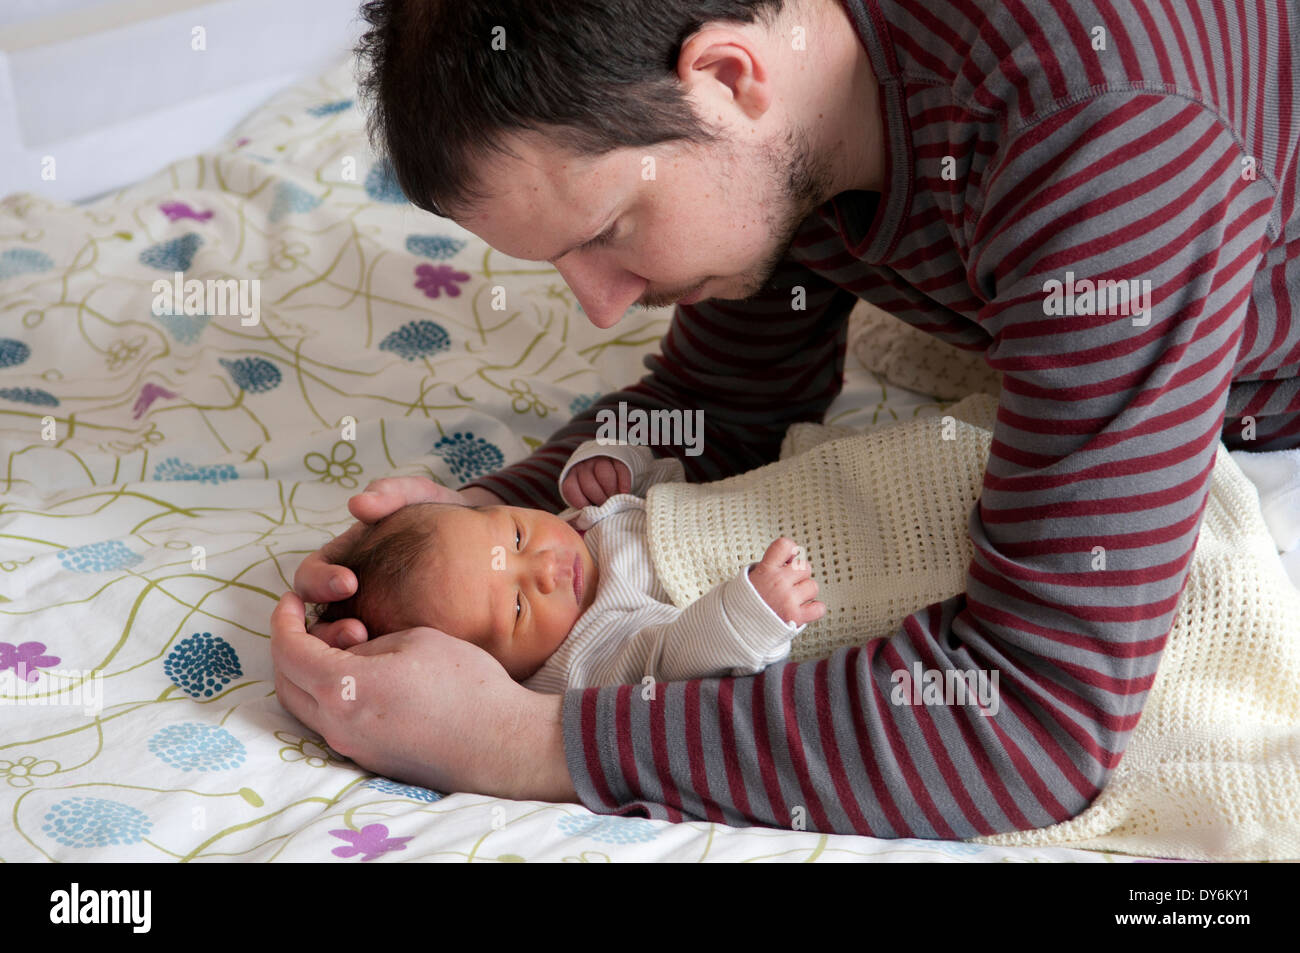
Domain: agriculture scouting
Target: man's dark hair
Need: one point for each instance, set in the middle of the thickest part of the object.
(382, 559)
(593, 75)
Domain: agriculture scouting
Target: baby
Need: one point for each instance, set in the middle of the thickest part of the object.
(573, 600)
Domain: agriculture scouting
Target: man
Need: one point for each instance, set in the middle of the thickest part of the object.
(1092, 195)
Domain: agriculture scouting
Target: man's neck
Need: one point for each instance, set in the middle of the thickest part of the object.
(842, 98)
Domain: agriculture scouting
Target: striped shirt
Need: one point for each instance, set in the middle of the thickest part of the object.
(1033, 147)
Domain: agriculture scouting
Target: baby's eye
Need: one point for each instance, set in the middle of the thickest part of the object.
(517, 538)
(518, 606)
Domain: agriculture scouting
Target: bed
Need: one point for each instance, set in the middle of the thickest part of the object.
(166, 468)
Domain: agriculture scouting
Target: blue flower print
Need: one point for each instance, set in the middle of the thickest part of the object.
(381, 184)
(385, 786)
(437, 247)
(329, 109)
(202, 665)
(98, 557)
(252, 374)
(192, 746)
(582, 402)
(95, 822)
(610, 830)
(416, 340)
(469, 456)
(174, 468)
(13, 352)
(29, 395)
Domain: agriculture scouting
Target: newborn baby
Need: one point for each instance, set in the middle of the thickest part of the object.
(573, 600)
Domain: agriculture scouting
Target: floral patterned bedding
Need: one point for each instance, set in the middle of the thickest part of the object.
(165, 469)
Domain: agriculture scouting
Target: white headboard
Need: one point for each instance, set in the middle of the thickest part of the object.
(113, 90)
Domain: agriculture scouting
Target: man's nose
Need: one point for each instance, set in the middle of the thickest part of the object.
(605, 293)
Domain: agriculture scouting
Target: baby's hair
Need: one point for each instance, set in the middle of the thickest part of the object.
(382, 557)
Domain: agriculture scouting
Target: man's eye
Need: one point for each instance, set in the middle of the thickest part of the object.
(517, 537)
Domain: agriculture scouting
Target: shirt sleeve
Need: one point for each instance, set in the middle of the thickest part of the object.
(645, 470)
(729, 630)
(752, 367)
(1092, 500)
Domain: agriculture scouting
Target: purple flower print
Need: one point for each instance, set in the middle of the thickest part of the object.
(148, 394)
(435, 279)
(372, 841)
(25, 658)
(175, 211)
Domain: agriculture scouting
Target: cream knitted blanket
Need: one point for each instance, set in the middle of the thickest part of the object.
(1212, 771)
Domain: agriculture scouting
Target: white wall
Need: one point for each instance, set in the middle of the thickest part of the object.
(113, 90)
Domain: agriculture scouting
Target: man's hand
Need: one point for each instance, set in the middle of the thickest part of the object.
(595, 480)
(422, 707)
(319, 580)
(784, 581)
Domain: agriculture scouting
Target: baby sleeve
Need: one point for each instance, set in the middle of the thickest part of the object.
(645, 468)
(730, 630)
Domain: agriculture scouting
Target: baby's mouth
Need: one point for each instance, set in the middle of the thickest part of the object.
(577, 579)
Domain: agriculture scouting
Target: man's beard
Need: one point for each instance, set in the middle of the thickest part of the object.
(802, 184)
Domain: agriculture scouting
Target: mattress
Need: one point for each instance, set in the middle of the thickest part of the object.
(167, 463)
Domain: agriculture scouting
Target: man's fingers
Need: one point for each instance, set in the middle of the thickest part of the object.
(297, 654)
(317, 579)
(297, 702)
(388, 495)
(341, 633)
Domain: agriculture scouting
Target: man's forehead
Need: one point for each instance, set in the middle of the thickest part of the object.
(542, 201)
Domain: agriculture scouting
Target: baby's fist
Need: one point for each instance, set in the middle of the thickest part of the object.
(784, 581)
(595, 480)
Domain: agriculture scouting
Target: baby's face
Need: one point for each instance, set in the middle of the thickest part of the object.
(514, 581)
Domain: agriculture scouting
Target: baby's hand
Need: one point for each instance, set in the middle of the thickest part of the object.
(784, 581)
(595, 480)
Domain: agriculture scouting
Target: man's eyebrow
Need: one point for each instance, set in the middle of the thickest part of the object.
(584, 244)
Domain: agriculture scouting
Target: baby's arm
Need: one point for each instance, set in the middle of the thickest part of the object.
(730, 630)
(642, 471)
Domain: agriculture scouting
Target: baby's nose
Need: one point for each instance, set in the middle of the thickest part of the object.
(548, 571)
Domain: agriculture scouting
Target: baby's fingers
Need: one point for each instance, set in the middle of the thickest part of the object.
(808, 612)
(779, 553)
(607, 476)
(572, 491)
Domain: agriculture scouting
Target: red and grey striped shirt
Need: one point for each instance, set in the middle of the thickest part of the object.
(1033, 146)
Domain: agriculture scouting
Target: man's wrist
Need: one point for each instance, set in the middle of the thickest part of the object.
(536, 769)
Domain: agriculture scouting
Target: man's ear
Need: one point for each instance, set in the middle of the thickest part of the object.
(721, 66)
